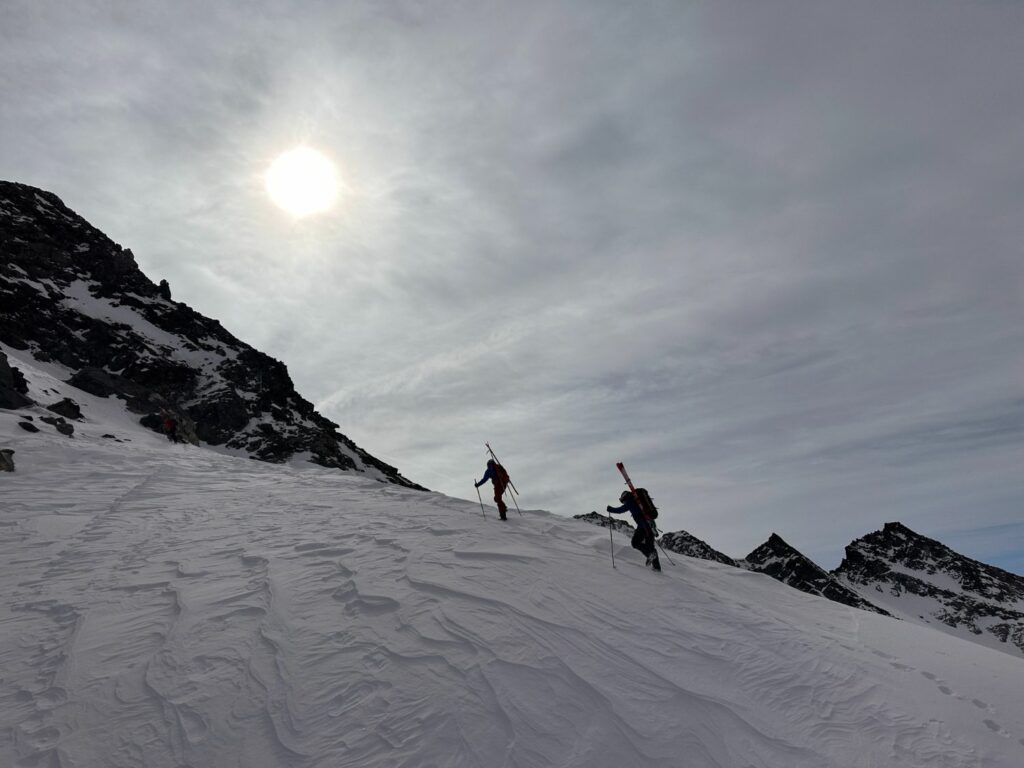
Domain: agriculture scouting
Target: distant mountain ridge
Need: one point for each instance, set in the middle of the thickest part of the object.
(72, 296)
(925, 581)
(893, 572)
(785, 563)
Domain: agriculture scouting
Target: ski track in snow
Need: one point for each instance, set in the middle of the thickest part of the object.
(167, 606)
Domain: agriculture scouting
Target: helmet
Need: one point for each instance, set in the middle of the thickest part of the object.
(624, 496)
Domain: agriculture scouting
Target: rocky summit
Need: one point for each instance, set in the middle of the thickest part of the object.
(923, 580)
(787, 564)
(73, 297)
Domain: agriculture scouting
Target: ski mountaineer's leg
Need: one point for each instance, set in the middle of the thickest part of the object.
(637, 542)
(647, 542)
(502, 509)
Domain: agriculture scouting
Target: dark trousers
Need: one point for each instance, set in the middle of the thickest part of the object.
(643, 540)
(499, 491)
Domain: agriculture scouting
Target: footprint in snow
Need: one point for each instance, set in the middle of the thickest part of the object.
(995, 727)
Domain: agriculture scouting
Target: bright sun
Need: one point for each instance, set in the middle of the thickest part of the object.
(302, 181)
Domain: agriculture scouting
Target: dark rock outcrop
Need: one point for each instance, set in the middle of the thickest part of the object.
(71, 295)
(13, 387)
(58, 423)
(28, 426)
(67, 408)
(605, 521)
(687, 544)
(779, 560)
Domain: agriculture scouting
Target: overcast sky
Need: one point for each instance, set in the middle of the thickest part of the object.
(771, 255)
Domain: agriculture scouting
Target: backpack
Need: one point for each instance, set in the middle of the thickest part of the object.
(501, 475)
(646, 503)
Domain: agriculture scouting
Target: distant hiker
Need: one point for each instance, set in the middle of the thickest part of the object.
(643, 538)
(496, 474)
(171, 428)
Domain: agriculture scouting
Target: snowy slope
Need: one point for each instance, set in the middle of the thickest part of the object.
(164, 605)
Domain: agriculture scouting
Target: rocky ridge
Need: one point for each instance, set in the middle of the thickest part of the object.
(783, 562)
(686, 543)
(925, 580)
(606, 521)
(72, 296)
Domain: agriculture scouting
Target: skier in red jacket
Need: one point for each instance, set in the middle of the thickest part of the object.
(497, 474)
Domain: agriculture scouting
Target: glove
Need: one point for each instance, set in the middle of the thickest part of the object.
(608, 509)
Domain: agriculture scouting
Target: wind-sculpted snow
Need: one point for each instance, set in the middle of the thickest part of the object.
(165, 606)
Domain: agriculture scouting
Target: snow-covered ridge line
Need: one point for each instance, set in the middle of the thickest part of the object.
(73, 296)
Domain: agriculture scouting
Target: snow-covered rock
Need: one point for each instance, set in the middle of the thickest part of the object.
(73, 297)
(922, 580)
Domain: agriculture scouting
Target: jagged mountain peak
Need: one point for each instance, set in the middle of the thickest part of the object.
(925, 581)
(780, 560)
(73, 297)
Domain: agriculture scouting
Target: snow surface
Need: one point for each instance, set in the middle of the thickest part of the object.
(166, 605)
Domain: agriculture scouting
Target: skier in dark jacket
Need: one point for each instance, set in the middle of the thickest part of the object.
(496, 474)
(643, 538)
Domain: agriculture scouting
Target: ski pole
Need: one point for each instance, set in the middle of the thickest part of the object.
(664, 552)
(656, 533)
(481, 499)
(513, 497)
(611, 544)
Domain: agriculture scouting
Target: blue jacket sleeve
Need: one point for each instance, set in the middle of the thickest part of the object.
(487, 476)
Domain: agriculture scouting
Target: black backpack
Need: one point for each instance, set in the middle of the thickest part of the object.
(646, 504)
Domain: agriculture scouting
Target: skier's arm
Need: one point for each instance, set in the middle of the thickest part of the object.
(618, 510)
(487, 476)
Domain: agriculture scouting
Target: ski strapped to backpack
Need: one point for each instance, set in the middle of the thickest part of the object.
(643, 498)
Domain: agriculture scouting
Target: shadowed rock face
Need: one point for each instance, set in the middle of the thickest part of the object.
(72, 296)
(960, 592)
(13, 387)
(779, 560)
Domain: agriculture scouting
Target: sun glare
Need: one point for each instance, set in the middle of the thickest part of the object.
(302, 181)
